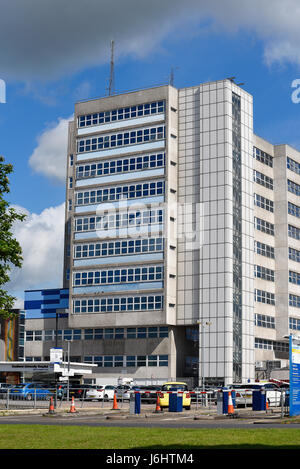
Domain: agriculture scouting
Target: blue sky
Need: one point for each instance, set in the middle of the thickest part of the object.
(48, 67)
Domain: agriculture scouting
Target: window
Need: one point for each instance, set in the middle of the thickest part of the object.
(262, 179)
(263, 157)
(293, 165)
(124, 138)
(129, 219)
(294, 301)
(264, 297)
(264, 249)
(264, 273)
(156, 107)
(294, 323)
(119, 166)
(293, 232)
(262, 320)
(264, 203)
(293, 187)
(264, 226)
(294, 255)
(293, 210)
(116, 304)
(134, 191)
(294, 277)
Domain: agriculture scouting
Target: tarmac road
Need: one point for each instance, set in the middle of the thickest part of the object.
(166, 420)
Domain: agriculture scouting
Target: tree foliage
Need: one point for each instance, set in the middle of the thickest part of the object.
(10, 249)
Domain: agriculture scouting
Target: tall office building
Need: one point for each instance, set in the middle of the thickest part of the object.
(181, 239)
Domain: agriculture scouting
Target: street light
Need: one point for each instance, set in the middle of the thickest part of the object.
(201, 348)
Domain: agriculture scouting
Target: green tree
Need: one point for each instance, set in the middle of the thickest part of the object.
(10, 249)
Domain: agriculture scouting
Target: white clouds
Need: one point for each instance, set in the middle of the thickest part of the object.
(50, 156)
(47, 39)
(41, 237)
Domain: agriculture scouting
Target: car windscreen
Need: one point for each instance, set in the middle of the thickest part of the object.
(174, 387)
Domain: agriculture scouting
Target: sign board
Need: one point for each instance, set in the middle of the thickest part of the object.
(294, 375)
(56, 355)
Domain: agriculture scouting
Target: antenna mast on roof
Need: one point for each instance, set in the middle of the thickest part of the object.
(111, 88)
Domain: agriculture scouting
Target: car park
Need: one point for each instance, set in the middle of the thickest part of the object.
(244, 393)
(99, 392)
(31, 391)
(180, 387)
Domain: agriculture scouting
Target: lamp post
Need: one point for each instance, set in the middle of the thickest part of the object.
(201, 350)
(68, 356)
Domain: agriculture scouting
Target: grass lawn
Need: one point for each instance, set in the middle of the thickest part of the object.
(73, 437)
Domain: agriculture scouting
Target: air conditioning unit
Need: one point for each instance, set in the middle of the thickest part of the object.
(260, 365)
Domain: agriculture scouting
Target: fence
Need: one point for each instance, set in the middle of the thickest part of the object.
(39, 398)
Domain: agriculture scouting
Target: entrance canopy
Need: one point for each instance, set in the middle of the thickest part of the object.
(62, 369)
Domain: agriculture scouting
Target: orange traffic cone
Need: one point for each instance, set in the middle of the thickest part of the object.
(115, 406)
(51, 406)
(72, 408)
(157, 408)
(230, 404)
(267, 404)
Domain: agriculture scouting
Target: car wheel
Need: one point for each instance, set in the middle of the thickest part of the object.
(28, 397)
(106, 398)
(188, 407)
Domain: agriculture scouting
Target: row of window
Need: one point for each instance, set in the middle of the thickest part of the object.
(124, 165)
(117, 304)
(264, 249)
(120, 139)
(271, 345)
(262, 296)
(112, 276)
(264, 203)
(264, 226)
(110, 194)
(114, 115)
(98, 334)
(263, 157)
(263, 180)
(264, 273)
(261, 320)
(125, 361)
(115, 248)
(120, 220)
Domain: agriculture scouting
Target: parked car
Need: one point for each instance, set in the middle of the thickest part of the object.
(101, 392)
(4, 387)
(175, 386)
(149, 393)
(243, 393)
(31, 391)
(123, 391)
